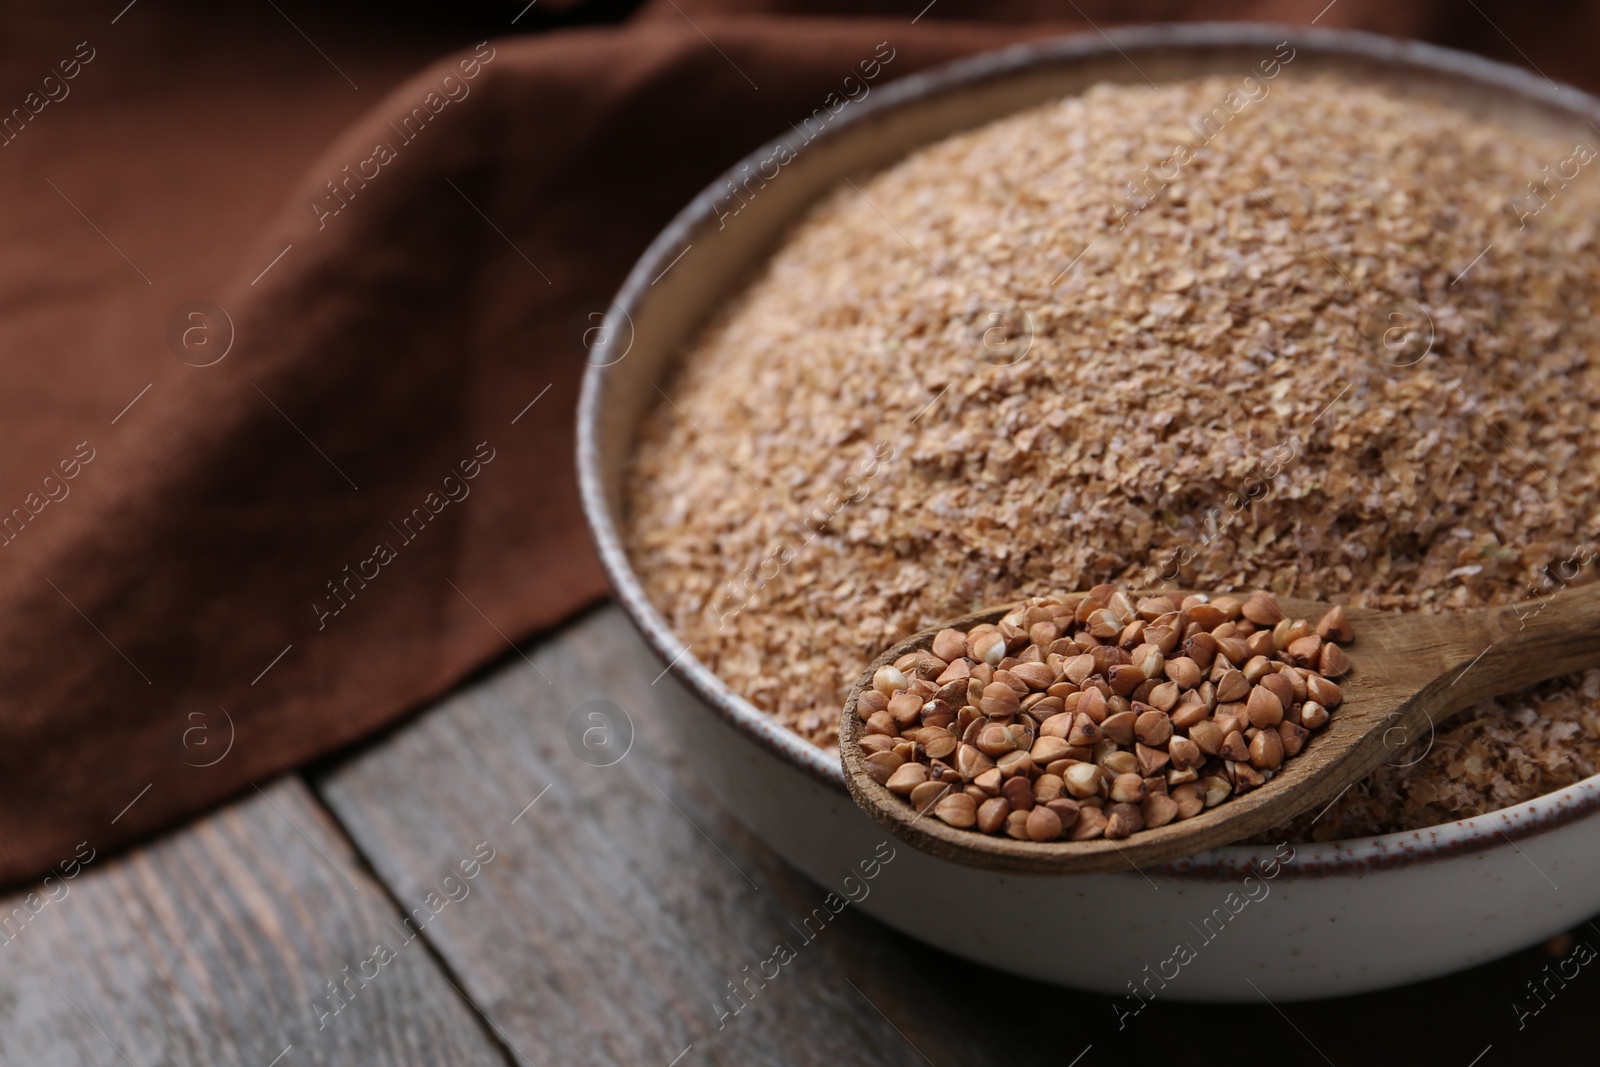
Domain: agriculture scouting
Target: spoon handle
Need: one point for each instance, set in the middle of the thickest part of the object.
(1479, 654)
(1538, 639)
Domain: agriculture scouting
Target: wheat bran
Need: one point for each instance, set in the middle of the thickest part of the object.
(1207, 397)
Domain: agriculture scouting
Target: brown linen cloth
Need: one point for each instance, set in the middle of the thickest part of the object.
(210, 574)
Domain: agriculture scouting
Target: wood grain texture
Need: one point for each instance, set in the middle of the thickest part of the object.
(601, 929)
(211, 946)
(613, 923)
(1410, 672)
(624, 900)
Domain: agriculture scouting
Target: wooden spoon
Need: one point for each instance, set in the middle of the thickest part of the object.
(1409, 673)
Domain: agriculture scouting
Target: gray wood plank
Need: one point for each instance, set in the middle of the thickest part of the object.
(617, 912)
(625, 899)
(214, 946)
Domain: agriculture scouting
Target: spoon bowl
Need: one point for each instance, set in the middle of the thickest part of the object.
(1409, 672)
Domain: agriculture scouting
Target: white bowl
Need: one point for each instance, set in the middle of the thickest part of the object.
(1340, 917)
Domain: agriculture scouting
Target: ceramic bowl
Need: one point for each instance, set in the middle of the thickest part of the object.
(1310, 921)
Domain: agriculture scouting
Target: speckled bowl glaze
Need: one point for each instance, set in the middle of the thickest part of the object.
(1311, 921)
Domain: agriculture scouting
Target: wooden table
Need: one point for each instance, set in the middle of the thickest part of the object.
(617, 903)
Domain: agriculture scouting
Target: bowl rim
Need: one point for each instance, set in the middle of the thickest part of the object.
(1501, 828)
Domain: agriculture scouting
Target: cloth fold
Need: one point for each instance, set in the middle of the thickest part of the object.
(321, 457)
